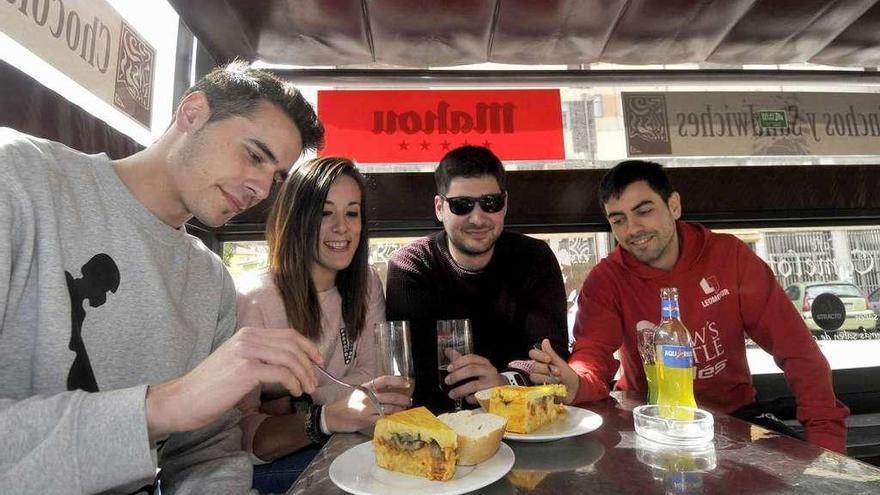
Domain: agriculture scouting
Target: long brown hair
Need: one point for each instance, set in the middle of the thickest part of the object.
(292, 232)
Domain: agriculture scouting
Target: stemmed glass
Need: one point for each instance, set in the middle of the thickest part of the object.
(452, 334)
(394, 352)
(647, 351)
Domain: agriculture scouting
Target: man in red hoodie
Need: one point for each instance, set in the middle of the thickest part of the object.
(726, 294)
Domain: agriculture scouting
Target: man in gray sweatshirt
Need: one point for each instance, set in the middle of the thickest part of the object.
(95, 397)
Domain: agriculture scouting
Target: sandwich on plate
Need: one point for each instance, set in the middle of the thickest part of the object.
(527, 408)
(416, 442)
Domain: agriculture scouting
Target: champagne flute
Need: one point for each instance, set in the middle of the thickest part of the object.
(647, 351)
(394, 352)
(452, 334)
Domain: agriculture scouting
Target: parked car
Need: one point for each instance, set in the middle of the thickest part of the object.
(874, 303)
(859, 315)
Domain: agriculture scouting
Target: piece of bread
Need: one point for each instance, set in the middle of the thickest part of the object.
(479, 434)
(483, 397)
(528, 408)
(416, 442)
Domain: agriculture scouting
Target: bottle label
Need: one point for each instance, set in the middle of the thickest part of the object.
(685, 482)
(669, 310)
(677, 356)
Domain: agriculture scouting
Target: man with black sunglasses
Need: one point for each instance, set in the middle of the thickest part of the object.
(509, 285)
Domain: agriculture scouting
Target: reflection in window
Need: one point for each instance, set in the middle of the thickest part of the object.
(821, 255)
(577, 254)
(796, 255)
(594, 134)
(848, 259)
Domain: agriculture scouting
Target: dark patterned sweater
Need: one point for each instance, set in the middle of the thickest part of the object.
(514, 302)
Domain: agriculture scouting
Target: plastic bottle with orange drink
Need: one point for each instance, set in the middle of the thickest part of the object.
(674, 356)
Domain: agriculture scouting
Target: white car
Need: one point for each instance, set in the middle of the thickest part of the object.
(859, 315)
(874, 303)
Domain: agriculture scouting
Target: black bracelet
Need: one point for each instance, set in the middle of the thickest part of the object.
(313, 425)
(301, 404)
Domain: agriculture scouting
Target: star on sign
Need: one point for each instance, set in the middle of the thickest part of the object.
(424, 145)
(404, 145)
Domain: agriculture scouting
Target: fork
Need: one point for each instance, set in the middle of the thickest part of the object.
(369, 393)
(553, 378)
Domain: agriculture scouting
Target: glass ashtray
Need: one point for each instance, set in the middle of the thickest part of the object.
(676, 458)
(674, 425)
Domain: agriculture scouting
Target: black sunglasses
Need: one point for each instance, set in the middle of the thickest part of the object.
(490, 203)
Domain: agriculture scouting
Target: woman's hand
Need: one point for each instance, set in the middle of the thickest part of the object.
(355, 412)
(550, 368)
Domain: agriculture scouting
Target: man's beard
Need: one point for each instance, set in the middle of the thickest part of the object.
(469, 251)
(652, 256)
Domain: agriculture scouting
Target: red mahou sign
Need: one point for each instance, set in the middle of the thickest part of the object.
(404, 126)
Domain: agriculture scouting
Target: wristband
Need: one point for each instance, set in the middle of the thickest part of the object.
(514, 378)
(323, 422)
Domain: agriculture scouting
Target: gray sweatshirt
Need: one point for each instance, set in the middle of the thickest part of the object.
(98, 294)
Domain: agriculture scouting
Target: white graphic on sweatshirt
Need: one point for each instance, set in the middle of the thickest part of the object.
(709, 284)
(709, 354)
(708, 350)
(713, 289)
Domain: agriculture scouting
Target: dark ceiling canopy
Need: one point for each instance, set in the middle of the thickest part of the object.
(354, 37)
(434, 33)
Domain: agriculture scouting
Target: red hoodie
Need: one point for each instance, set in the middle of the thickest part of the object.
(726, 293)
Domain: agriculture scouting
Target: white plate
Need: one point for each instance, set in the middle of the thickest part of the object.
(355, 471)
(576, 422)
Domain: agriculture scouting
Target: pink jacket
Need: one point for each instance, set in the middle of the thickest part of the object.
(259, 305)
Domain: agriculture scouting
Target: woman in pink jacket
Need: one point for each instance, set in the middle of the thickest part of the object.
(319, 284)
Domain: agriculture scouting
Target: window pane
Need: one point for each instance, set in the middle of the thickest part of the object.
(243, 258)
(849, 257)
(594, 134)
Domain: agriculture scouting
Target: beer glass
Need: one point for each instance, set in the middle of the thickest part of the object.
(647, 351)
(394, 352)
(452, 334)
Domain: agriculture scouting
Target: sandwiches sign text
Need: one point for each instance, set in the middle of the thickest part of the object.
(751, 123)
(422, 126)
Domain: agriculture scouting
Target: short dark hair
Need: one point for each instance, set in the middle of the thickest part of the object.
(468, 161)
(236, 89)
(625, 173)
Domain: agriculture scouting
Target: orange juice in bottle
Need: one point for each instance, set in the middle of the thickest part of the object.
(674, 356)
